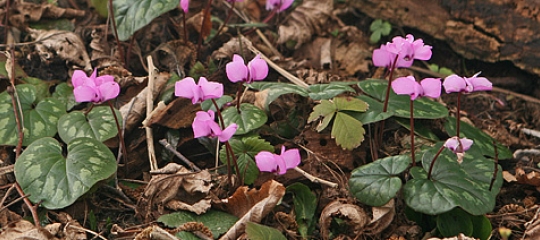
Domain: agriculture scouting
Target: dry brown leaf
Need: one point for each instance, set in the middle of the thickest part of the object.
(508, 176)
(30, 12)
(532, 230)
(175, 187)
(177, 114)
(252, 205)
(532, 178)
(382, 217)
(231, 47)
(354, 216)
(174, 55)
(461, 236)
(63, 44)
(305, 21)
(25, 230)
(134, 110)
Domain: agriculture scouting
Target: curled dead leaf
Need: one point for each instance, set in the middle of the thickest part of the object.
(176, 188)
(532, 178)
(352, 215)
(252, 205)
(382, 217)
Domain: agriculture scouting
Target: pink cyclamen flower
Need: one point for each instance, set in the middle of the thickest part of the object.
(279, 164)
(405, 49)
(455, 83)
(94, 89)
(429, 87)
(204, 90)
(458, 145)
(205, 126)
(282, 5)
(255, 70)
(184, 5)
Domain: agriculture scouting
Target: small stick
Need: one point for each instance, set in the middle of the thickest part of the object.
(149, 107)
(316, 179)
(169, 147)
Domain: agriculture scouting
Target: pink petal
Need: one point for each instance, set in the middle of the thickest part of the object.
(285, 4)
(79, 78)
(184, 4)
(258, 68)
(228, 132)
(236, 70)
(86, 94)
(266, 162)
(406, 86)
(382, 58)
(431, 87)
(454, 83)
(200, 124)
(281, 164)
(187, 88)
(291, 157)
(210, 89)
(109, 90)
(421, 51)
(452, 144)
(481, 84)
(467, 143)
(103, 79)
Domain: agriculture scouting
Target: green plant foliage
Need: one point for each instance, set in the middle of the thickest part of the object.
(275, 89)
(444, 71)
(327, 91)
(245, 150)
(56, 181)
(256, 231)
(40, 117)
(454, 222)
(483, 141)
(452, 184)
(42, 87)
(481, 227)
(209, 105)
(98, 124)
(64, 93)
(378, 182)
(249, 118)
(19, 72)
(379, 28)
(348, 131)
(422, 130)
(305, 205)
(398, 105)
(132, 15)
(217, 221)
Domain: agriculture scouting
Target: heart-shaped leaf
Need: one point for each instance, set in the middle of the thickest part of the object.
(452, 184)
(98, 124)
(327, 91)
(483, 141)
(39, 121)
(249, 118)
(378, 182)
(132, 15)
(245, 150)
(64, 93)
(57, 181)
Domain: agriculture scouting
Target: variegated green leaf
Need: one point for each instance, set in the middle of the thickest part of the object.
(98, 124)
(249, 118)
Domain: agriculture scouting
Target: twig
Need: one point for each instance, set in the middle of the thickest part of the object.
(84, 229)
(316, 179)
(532, 132)
(149, 107)
(179, 155)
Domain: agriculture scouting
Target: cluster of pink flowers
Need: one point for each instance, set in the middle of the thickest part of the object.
(204, 124)
(404, 50)
(94, 89)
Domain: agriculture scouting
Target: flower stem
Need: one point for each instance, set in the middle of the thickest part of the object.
(268, 18)
(433, 162)
(412, 134)
(229, 151)
(120, 136)
(458, 114)
(387, 97)
(229, 14)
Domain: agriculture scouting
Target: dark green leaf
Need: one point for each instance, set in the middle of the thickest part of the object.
(481, 227)
(218, 222)
(245, 150)
(378, 182)
(305, 205)
(98, 124)
(256, 231)
(64, 93)
(274, 89)
(327, 91)
(454, 222)
(57, 181)
(132, 15)
(249, 118)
